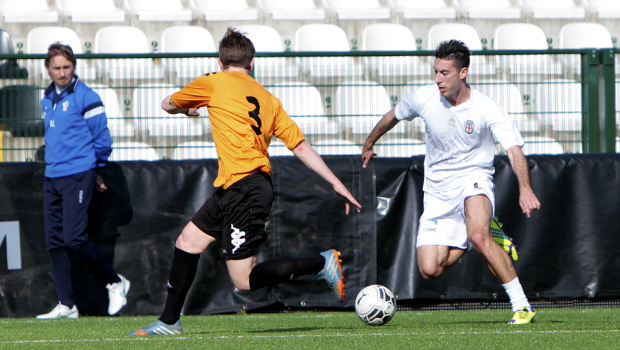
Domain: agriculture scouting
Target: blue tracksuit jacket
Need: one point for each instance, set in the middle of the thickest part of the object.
(76, 130)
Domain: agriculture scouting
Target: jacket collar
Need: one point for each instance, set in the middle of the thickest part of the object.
(69, 90)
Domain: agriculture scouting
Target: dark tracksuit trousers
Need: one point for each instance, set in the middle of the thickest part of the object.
(66, 202)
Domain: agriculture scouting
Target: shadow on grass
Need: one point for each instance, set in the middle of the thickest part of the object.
(280, 330)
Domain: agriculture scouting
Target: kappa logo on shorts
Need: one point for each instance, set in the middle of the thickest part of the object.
(237, 238)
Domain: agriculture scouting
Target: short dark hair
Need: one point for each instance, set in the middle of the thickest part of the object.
(58, 49)
(454, 50)
(236, 50)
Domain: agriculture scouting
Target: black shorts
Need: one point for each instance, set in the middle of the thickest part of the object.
(237, 216)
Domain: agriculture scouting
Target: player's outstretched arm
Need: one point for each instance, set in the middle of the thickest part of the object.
(527, 199)
(169, 106)
(384, 125)
(314, 162)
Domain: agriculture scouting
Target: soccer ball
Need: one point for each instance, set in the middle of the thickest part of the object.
(375, 305)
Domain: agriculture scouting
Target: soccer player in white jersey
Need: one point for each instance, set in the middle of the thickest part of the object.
(459, 201)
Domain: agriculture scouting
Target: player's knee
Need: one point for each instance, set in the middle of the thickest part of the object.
(430, 272)
(479, 239)
(192, 241)
(242, 285)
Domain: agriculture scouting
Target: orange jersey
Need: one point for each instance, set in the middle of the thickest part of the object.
(244, 116)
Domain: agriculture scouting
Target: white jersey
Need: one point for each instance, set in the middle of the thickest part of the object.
(459, 139)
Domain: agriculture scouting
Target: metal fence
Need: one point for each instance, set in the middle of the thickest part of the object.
(563, 101)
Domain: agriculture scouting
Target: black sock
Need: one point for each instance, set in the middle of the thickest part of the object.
(272, 272)
(180, 279)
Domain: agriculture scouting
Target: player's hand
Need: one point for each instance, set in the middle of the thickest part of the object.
(99, 185)
(367, 156)
(528, 201)
(192, 112)
(343, 192)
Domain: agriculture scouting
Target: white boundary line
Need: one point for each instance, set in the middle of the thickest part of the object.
(179, 338)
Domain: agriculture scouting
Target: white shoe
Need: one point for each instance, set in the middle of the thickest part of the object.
(117, 293)
(60, 311)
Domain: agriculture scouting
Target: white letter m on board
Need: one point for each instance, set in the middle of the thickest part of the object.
(9, 232)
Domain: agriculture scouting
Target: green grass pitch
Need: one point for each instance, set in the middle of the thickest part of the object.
(562, 328)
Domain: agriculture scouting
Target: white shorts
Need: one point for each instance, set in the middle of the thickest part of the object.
(443, 220)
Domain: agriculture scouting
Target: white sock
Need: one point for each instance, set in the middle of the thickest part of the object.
(518, 300)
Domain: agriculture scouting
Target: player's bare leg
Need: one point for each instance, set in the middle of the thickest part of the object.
(239, 271)
(478, 212)
(434, 260)
(193, 240)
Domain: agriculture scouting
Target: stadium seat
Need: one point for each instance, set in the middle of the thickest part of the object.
(38, 41)
(195, 150)
(132, 150)
(125, 40)
(90, 11)
(117, 125)
(510, 98)
(334, 147)
(229, 10)
(519, 36)
(392, 37)
(479, 65)
(304, 104)
(524, 36)
(585, 35)
(387, 37)
(157, 10)
(552, 9)
(148, 114)
(602, 9)
(487, 9)
(541, 145)
(298, 10)
(27, 11)
(582, 35)
(321, 37)
(400, 148)
(188, 39)
(558, 104)
(422, 9)
(20, 110)
(359, 105)
(9, 68)
(325, 38)
(266, 39)
(357, 9)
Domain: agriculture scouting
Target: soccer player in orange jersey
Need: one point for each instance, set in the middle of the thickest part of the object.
(243, 116)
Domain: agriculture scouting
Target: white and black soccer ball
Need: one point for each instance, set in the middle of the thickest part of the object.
(375, 305)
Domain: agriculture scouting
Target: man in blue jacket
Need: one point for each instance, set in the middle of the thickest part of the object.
(77, 143)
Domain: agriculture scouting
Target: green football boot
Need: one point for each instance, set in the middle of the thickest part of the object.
(504, 241)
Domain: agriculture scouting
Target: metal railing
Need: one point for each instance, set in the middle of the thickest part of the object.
(563, 101)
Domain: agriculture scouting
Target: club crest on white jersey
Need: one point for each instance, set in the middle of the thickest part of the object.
(469, 126)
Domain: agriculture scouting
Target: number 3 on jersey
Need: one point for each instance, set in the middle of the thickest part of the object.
(254, 114)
